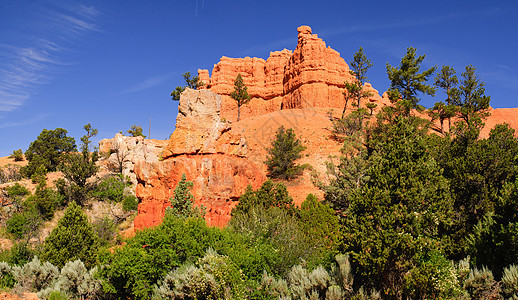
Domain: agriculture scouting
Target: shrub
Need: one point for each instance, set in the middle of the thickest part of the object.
(111, 188)
(213, 277)
(510, 282)
(130, 203)
(285, 150)
(47, 150)
(9, 173)
(481, 285)
(34, 276)
(105, 229)
(75, 282)
(17, 155)
(135, 131)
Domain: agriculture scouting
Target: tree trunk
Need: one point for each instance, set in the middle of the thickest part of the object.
(345, 107)
(238, 111)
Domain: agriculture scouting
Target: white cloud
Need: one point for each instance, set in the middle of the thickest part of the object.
(146, 84)
(28, 66)
(26, 122)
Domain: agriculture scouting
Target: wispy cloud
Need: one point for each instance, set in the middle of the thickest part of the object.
(30, 65)
(146, 84)
(26, 122)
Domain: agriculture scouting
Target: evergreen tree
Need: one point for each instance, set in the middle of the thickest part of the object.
(182, 203)
(354, 90)
(77, 168)
(240, 94)
(285, 150)
(470, 98)
(407, 80)
(442, 112)
(193, 83)
(135, 131)
(48, 150)
(447, 80)
(400, 212)
(73, 238)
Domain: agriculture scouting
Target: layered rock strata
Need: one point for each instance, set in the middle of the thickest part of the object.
(313, 75)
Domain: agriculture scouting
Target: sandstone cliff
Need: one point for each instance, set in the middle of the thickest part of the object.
(313, 75)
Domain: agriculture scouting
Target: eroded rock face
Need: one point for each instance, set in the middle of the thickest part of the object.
(313, 75)
(219, 180)
(199, 127)
(204, 149)
(124, 152)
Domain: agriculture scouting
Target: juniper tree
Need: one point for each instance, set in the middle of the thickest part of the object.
(407, 80)
(240, 94)
(48, 150)
(73, 238)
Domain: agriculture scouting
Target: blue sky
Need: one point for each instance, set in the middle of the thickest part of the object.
(114, 63)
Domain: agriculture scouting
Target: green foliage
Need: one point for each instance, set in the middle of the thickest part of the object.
(193, 83)
(17, 155)
(400, 211)
(73, 238)
(318, 221)
(478, 170)
(34, 275)
(182, 203)
(78, 168)
(47, 150)
(130, 203)
(407, 80)
(111, 188)
(470, 97)
(19, 254)
(147, 257)
(510, 282)
(24, 224)
(135, 131)
(240, 94)
(434, 277)
(270, 194)
(285, 150)
(45, 200)
(213, 276)
(360, 64)
(105, 229)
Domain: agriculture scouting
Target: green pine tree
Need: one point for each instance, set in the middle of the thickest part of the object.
(407, 80)
(182, 203)
(470, 98)
(240, 94)
(354, 90)
(285, 150)
(193, 83)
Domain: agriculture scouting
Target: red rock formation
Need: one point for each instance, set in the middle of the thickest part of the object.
(204, 148)
(313, 75)
(219, 180)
